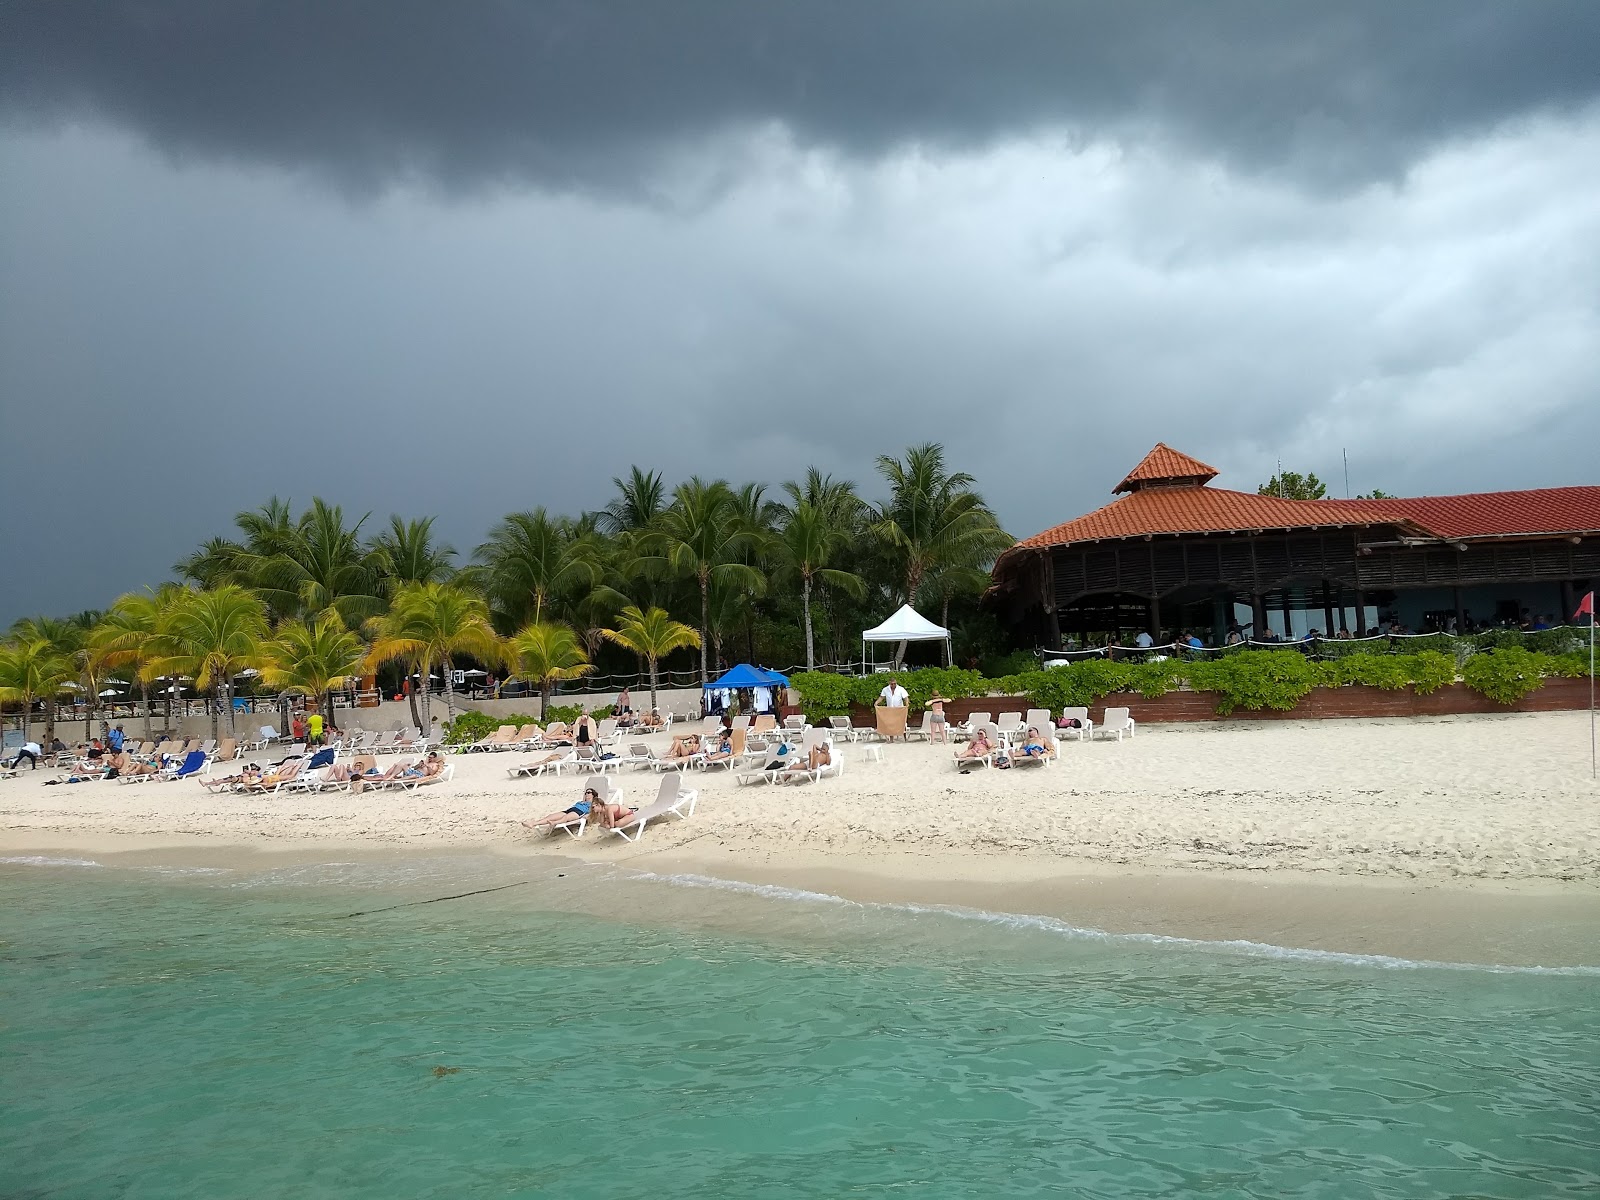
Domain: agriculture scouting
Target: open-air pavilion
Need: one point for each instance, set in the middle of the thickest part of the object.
(1173, 553)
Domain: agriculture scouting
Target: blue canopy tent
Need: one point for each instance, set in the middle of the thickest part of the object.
(746, 676)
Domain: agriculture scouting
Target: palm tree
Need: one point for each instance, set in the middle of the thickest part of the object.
(702, 536)
(65, 637)
(548, 652)
(640, 500)
(33, 668)
(313, 658)
(428, 625)
(126, 636)
(532, 559)
(212, 635)
(652, 635)
(407, 553)
(933, 516)
(811, 538)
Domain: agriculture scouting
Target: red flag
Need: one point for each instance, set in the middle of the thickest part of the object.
(1586, 605)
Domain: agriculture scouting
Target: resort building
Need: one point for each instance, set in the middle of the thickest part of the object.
(1172, 553)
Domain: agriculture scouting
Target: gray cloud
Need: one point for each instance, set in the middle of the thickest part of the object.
(567, 92)
(749, 239)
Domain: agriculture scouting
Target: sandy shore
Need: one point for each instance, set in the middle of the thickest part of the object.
(1373, 829)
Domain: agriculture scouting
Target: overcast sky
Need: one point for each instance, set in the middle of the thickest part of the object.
(466, 258)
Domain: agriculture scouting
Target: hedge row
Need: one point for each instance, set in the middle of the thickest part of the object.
(470, 726)
(1252, 679)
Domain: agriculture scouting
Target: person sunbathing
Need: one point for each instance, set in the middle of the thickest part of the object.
(684, 747)
(653, 721)
(611, 815)
(249, 774)
(591, 798)
(816, 758)
(361, 782)
(1033, 746)
(429, 768)
(722, 749)
(540, 763)
(979, 747)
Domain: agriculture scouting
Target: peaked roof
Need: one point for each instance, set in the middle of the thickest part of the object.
(1164, 466)
(1168, 493)
(907, 625)
(1200, 509)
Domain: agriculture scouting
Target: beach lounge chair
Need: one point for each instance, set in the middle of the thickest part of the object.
(1085, 728)
(1011, 725)
(961, 733)
(996, 746)
(551, 763)
(500, 737)
(924, 730)
(192, 762)
(557, 734)
(1019, 759)
(265, 737)
(638, 755)
(763, 723)
(527, 737)
(736, 744)
(446, 774)
(778, 758)
(589, 758)
(673, 799)
(1039, 718)
(1115, 721)
(384, 742)
(842, 730)
(227, 750)
(575, 823)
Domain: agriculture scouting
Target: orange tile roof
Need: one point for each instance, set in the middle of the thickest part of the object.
(1202, 509)
(1564, 510)
(1163, 463)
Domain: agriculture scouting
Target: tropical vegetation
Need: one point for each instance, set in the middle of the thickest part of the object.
(662, 577)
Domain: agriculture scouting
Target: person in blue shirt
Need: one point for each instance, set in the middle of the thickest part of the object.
(114, 739)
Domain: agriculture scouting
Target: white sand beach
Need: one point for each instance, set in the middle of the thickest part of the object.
(1503, 798)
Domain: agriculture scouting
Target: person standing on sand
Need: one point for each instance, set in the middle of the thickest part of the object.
(893, 695)
(936, 721)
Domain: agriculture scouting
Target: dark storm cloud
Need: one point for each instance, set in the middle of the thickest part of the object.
(573, 92)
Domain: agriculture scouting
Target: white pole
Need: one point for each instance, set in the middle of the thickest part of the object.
(1592, 760)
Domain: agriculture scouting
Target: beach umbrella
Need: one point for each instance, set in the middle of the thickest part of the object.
(110, 692)
(476, 674)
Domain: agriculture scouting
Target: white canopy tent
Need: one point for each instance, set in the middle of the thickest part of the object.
(907, 625)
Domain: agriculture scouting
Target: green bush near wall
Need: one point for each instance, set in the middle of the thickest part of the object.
(1248, 679)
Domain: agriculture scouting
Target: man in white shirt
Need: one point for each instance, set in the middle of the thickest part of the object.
(29, 751)
(893, 695)
(1144, 641)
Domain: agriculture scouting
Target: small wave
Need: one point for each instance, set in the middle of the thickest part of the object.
(44, 860)
(1088, 933)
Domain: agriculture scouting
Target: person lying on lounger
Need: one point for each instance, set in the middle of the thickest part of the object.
(428, 768)
(684, 747)
(978, 747)
(816, 758)
(583, 808)
(249, 775)
(612, 816)
(555, 757)
(722, 749)
(653, 721)
(1033, 745)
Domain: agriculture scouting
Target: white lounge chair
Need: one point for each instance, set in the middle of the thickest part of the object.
(411, 785)
(1115, 721)
(962, 732)
(673, 798)
(842, 730)
(575, 823)
(267, 735)
(552, 762)
(997, 745)
(1085, 727)
(771, 767)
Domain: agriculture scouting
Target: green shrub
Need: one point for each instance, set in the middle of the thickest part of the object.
(1508, 674)
(1276, 679)
(568, 713)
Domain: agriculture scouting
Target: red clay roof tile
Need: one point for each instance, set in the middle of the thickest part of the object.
(1162, 464)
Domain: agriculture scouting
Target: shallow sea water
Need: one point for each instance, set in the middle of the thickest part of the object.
(318, 1031)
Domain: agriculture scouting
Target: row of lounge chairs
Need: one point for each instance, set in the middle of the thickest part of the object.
(295, 776)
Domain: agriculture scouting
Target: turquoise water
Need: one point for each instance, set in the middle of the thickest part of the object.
(241, 1033)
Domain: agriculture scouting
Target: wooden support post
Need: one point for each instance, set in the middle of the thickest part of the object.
(1155, 617)
(1258, 615)
(1327, 608)
(1461, 613)
(1288, 613)
(1361, 613)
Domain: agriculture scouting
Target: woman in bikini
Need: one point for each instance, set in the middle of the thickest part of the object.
(583, 808)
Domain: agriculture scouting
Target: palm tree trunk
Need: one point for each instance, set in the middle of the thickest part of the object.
(705, 626)
(805, 605)
(411, 696)
(216, 711)
(49, 721)
(144, 692)
(449, 694)
(88, 717)
(544, 699)
(227, 684)
(653, 682)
